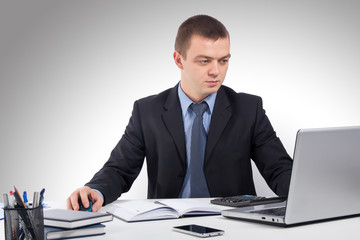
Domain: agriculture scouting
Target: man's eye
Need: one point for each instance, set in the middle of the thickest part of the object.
(204, 61)
(225, 61)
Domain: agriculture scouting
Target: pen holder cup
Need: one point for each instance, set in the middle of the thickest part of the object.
(24, 223)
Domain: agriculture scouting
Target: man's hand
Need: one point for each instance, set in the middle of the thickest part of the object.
(86, 194)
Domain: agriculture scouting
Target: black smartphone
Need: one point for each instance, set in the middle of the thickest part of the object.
(197, 230)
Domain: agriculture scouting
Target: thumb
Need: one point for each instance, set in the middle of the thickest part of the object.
(97, 201)
(96, 206)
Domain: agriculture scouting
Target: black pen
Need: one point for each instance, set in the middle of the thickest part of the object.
(18, 199)
(42, 197)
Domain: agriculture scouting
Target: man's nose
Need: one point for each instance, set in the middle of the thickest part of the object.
(214, 69)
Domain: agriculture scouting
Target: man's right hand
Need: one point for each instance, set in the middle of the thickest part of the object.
(86, 194)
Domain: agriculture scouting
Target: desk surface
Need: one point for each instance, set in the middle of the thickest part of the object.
(234, 229)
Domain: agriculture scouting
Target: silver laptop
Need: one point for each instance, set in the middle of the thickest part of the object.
(324, 181)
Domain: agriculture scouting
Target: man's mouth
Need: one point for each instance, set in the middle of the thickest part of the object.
(212, 83)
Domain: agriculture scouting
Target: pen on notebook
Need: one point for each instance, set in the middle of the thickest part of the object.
(41, 201)
(25, 199)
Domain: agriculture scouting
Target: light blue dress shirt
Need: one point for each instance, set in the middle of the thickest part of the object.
(188, 117)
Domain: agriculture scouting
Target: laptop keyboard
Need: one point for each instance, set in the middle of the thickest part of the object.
(245, 200)
(280, 211)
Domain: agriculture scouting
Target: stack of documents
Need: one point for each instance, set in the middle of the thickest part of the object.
(61, 223)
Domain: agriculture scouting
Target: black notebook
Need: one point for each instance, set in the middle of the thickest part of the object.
(73, 219)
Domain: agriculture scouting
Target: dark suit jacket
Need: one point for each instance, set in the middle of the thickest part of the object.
(239, 131)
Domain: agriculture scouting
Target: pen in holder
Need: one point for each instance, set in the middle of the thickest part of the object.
(24, 223)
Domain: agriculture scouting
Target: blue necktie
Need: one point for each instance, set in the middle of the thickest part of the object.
(198, 185)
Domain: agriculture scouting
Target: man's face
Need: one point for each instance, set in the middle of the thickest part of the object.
(204, 69)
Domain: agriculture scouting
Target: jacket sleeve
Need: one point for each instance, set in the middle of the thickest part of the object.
(269, 154)
(125, 162)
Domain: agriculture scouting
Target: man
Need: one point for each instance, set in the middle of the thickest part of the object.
(160, 129)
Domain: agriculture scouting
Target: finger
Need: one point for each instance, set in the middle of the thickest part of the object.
(97, 201)
(84, 195)
(74, 200)
(97, 205)
(68, 204)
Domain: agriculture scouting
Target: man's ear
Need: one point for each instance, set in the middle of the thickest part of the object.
(178, 60)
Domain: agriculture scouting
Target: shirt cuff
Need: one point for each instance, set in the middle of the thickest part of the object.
(102, 196)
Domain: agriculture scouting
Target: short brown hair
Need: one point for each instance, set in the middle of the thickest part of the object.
(201, 25)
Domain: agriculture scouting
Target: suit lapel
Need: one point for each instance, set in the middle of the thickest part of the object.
(220, 117)
(172, 117)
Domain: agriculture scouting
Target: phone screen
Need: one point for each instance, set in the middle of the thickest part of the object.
(199, 230)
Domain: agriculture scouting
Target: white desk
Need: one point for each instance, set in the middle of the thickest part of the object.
(234, 229)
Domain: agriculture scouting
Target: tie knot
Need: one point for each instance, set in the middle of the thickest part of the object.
(199, 108)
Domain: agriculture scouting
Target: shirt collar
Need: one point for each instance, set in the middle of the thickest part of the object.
(185, 101)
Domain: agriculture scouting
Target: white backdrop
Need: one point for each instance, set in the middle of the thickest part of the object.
(71, 70)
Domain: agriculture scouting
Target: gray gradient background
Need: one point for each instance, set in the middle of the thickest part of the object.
(71, 70)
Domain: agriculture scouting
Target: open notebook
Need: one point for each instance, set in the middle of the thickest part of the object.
(145, 210)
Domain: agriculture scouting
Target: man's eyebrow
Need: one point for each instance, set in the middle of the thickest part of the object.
(207, 57)
(203, 56)
(227, 56)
